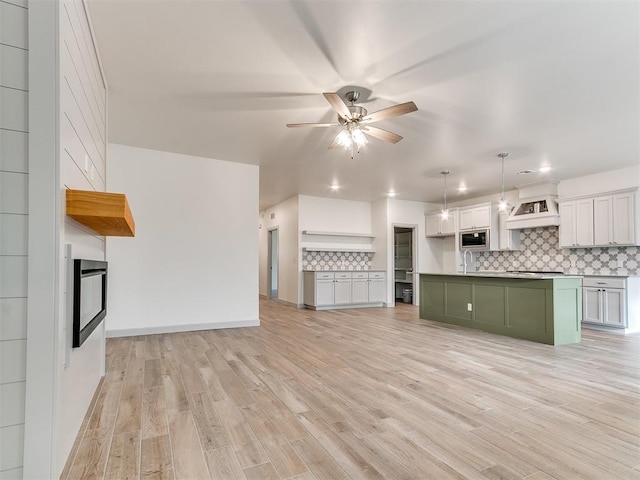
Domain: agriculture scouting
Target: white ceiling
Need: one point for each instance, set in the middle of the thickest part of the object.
(550, 82)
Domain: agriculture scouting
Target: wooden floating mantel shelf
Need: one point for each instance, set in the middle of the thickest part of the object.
(107, 214)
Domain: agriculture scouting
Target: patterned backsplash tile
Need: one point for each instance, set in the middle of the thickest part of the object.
(540, 250)
(336, 260)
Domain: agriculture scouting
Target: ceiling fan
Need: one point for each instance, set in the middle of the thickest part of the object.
(356, 121)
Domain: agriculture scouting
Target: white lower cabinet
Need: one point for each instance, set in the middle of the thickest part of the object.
(324, 290)
(604, 301)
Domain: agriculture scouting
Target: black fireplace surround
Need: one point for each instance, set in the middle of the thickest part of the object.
(89, 297)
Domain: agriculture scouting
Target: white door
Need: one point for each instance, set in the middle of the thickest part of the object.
(376, 290)
(602, 221)
(342, 291)
(613, 306)
(623, 219)
(592, 305)
(567, 224)
(584, 222)
(324, 292)
(360, 290)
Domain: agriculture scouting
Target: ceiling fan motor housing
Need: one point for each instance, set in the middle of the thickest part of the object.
(357, 113)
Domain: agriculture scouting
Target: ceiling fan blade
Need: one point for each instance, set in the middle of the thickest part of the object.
(338, 105)
(390, 112)
(382, 134)
(314, 124)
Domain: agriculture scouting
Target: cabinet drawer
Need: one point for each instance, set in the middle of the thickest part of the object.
(603, 282)
(360, 275)
(376, 274)
(324, 275)
(343, 275)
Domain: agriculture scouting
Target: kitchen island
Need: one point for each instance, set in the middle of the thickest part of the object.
(545, 308)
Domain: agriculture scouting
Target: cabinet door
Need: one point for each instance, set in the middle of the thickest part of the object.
(433, 225)
(342, 291)
(592, 305)
(623, 219)
(602, 221)
(567, 230)
(482, 217)
(613, 307)
(324, 292)
(584, 222)
(447, 225)
(466, 219)
(376, 290)
(360, 290)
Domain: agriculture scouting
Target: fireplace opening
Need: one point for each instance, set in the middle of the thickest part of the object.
(89, 297)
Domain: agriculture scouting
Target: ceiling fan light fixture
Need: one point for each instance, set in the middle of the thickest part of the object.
(445, 211)
(358, 137)
(344, 139)
(502, 206)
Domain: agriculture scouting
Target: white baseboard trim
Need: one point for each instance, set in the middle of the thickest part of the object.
(131, 332)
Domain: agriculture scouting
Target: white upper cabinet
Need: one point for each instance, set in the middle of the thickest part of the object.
(436, 226)
(476, 217)
(625, 227)
(605, 220)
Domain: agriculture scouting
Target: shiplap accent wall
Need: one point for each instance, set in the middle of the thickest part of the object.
(82, 166)
(14, 208)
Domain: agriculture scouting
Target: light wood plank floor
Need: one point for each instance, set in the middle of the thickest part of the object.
(363, 393)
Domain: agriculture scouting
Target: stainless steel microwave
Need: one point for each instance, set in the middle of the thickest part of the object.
(475, 240)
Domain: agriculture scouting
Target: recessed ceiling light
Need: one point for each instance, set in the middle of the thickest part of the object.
(525, 172)
(462, 188)
(335, 187)
(391, 193)
(544, 169)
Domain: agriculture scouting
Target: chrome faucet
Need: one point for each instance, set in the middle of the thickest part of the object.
(464, 260)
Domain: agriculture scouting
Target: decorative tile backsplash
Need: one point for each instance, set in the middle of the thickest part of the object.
(540, 250)
(336, 260)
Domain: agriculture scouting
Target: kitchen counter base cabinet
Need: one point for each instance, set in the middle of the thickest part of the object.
(541, 310)
(330, 290)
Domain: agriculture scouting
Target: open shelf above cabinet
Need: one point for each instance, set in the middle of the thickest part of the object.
(316, 241)
(337, 234)
(339, 249)
(105, 213)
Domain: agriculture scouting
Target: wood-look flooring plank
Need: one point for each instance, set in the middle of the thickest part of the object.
(245, 444)
(156, 461)
(223, 464)
(363, 393)
(283, 458)
(261, 472)
(210, 428)
(129, 417)
(188, 457)
(323, 466)
(124, 456)
(152, 373)
(154, 413)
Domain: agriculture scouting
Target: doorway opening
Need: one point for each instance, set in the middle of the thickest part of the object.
(272, 267)
(403, 263)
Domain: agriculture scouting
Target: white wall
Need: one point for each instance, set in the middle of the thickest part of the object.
(14, 194)
(334, 215)
(83, 159)
(600, 182)
(285, 219)
(194, 261)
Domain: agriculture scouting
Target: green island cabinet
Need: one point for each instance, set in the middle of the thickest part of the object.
(545, 310)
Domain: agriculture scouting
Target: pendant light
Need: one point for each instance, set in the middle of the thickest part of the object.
(445, 212)
(502, 206)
